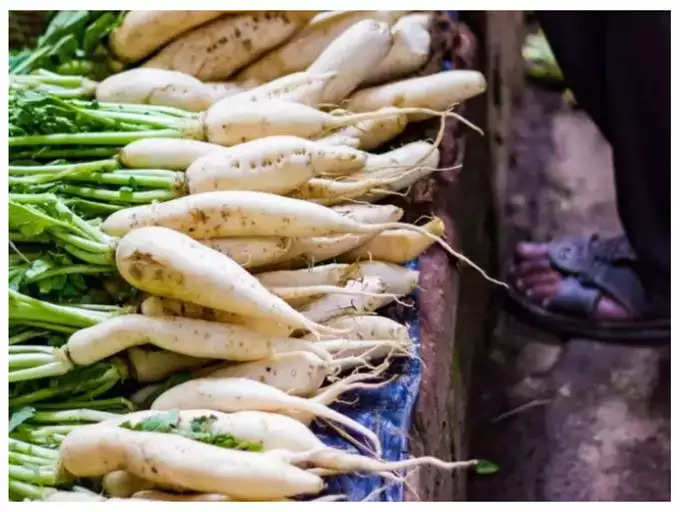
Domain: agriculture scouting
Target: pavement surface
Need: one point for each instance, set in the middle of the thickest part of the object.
(567, 419)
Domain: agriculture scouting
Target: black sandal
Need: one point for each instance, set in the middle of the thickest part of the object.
(593, 266)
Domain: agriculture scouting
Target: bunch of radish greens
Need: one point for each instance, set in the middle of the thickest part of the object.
(198, 255)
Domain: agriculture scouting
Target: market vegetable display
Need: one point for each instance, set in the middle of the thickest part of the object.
(201, 245)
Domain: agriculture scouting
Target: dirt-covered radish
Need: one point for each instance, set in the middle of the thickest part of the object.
(252, 252)
(162, 306)
(239, 394)
(192, 337)
(353, 55)
(155, 87)
(246, 213)
(370, 134)
(167, 263)
(368, 327)
(143, 32)
(396, 245)
(277, 164)
(122, 484)
(298, 373)
(378, 278)
(284, 437)
(170, 459)
(409, 51)
(332, 305)
(331, 274)
(400, 168)
(217, 49)
(228, 122)
(305, 46)
(219, 90)
(175, 154)
(312, 250)
(302, 87)
(438, 92)
(148, 365)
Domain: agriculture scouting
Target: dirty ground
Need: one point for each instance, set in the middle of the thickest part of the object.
(567, 421)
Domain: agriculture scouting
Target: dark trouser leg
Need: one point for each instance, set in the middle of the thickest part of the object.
(618, 67)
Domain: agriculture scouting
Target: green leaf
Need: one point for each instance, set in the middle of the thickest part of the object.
(20, 416)
(64, 22)
(99, 29)
(486, 467)
(165, 422)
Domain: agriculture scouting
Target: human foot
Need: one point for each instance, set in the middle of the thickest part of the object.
(585, 286)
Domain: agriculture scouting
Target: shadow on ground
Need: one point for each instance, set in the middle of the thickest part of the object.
(578, 420)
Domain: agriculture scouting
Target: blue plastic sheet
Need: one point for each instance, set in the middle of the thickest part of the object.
(387, 411)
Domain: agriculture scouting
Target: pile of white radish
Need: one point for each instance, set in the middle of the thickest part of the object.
(261, 285)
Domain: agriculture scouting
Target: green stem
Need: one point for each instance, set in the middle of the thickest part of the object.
(40, 476)
(52, 153)
(30, 491)
(97, 165)
(47, 370)
(23, 459)
(25, 336)
(89, 257)
(29, 360)
(83, 243)
(72, 415)
(91, 139)
(94, 207)
(28, 349)
(23, 307)
(73, 269)
(143, 197)
(44, 325)
(17, 445)
(117, 404)
(130, 179)
(141, 109)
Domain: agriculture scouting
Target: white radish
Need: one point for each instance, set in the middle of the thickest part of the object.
(228, 122)
(154, 495)
(396, 245)
(245, 213)
(312, 250)
(372, 133)
(331, 274)
(368, 327)
(332, 305)
(167, 263)
(401, 167)
(353, 55)
(302, 87)
(217, 49)
(297, 373)
(237, 394)
(122, 484)
(169, 459)
(175, 154)
(155, 87)
(252, 252)
(397, 279)
(330, 192)
(437, 92)
(153, 365)
(192, 337)
(219, 90)
(410, 49)
(276, 164)
(305, 46)
(162, 306)
(143, 32)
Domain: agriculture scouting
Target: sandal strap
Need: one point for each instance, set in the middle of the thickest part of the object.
(596, 265)
(573, 298)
